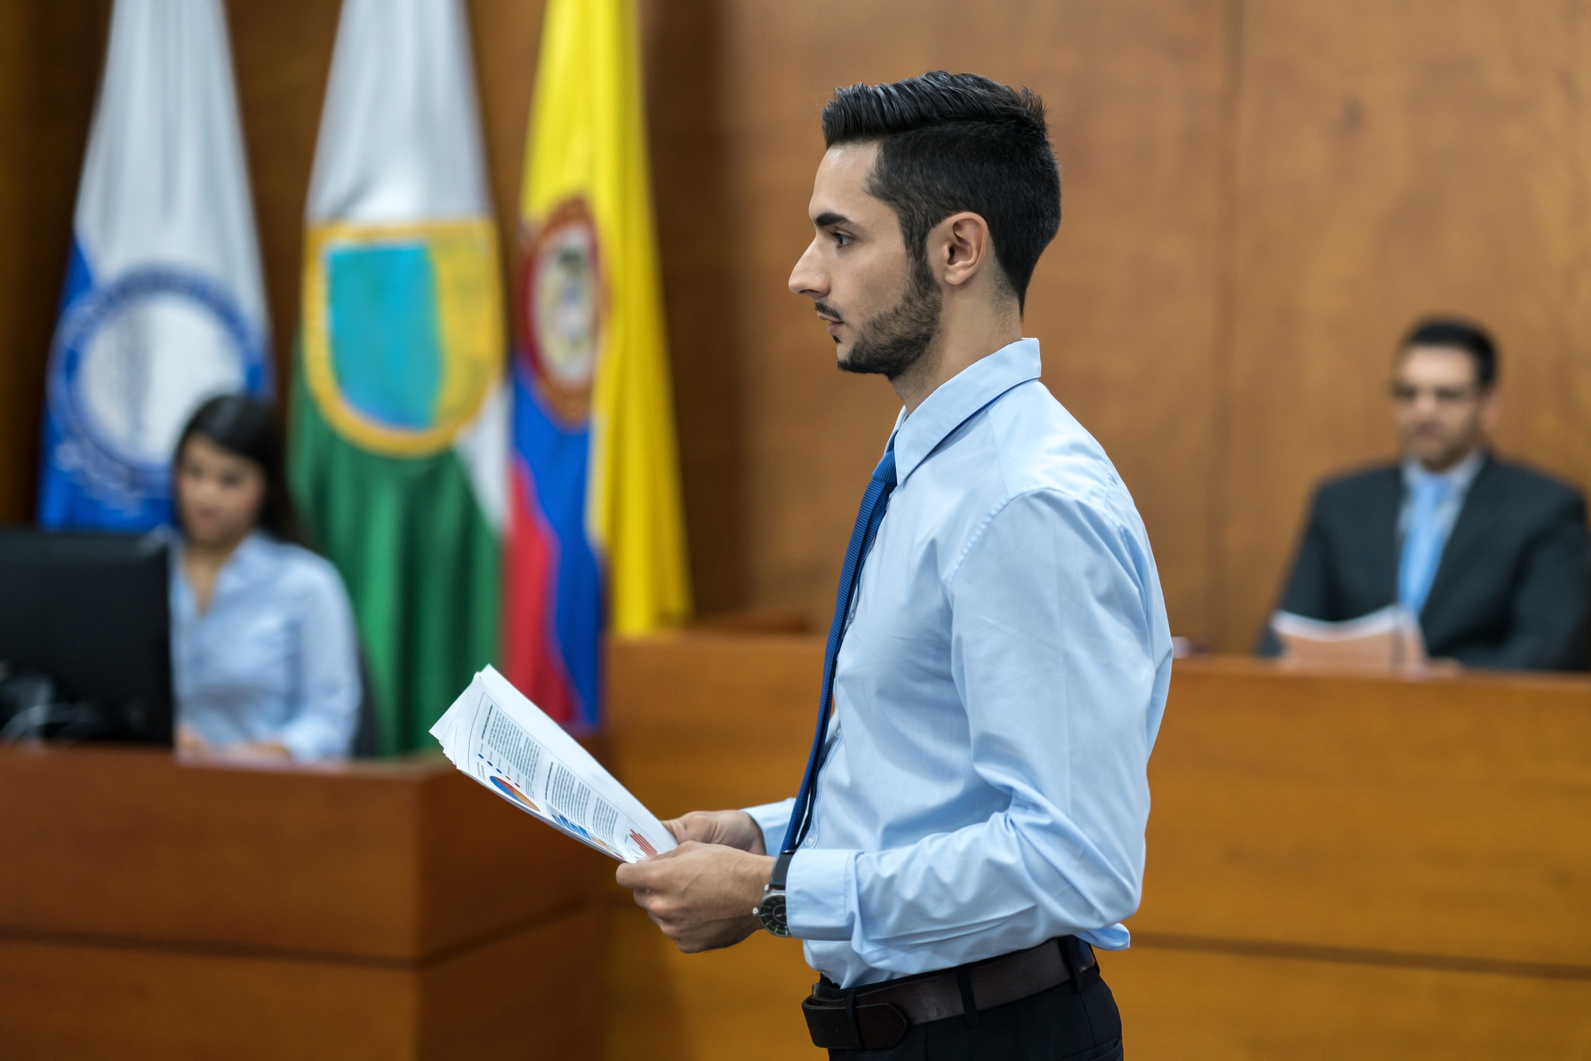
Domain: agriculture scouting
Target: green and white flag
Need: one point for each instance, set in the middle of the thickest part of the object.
(399, 410)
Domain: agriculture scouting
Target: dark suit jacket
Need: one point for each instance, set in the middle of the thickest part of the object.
(1512, 588)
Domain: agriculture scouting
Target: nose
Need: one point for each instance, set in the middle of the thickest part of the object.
(807, 278)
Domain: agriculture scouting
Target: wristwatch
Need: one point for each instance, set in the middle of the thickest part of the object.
(771, 911)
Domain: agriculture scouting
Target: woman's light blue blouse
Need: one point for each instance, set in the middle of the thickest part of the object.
(274, 658)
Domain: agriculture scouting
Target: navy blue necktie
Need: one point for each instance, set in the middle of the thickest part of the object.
(874, 501)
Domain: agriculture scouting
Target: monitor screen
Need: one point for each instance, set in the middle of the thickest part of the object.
(90, 613)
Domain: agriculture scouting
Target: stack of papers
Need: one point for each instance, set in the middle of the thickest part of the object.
(505, 742)
(1387, 639)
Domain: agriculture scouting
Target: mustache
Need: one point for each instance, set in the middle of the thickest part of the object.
(828, 311)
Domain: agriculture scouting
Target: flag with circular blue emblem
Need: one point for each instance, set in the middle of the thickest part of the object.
(164, 304)
(398, 426)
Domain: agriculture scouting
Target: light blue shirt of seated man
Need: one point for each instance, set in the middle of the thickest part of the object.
(996, 696)
(273, 658)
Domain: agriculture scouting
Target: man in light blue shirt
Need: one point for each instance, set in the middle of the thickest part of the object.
(973, 814)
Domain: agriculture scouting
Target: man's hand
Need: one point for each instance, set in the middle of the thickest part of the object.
(701, 893)
(731, 828)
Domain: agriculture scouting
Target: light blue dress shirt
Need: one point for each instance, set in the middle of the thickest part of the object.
(997, 694)
(273, 657)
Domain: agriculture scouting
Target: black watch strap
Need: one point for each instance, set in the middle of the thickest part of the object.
(781, 870)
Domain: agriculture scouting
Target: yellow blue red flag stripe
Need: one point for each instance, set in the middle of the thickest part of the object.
(596, 537)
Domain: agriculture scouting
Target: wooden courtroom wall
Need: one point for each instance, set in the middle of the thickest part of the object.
(1258, 199)
(45, 100)
(1395, 159)
(1125, 301)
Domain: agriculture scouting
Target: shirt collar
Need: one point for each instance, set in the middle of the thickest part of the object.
(1458, 477)
(957, 399)
(247, 561)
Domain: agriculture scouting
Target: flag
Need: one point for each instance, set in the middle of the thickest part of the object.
(596, 536)
(164, 305)
(398, 432)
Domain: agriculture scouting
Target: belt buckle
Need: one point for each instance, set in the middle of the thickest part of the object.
(848, 1026)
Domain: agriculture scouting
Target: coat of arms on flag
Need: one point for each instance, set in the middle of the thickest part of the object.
(164, 303)
(402, 330)
(596, 538)
(559, 308)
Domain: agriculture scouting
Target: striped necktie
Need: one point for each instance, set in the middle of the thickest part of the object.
(874, 502)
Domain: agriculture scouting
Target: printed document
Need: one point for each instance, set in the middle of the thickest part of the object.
(505, 742)
(1388, 639)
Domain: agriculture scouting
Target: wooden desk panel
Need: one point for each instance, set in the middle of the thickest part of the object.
(1191, 1006)
(150, 908)
(703, 721)
(729, 1005)
(1448, 817)
(381, 860)
(531, 994)
(1339, 866)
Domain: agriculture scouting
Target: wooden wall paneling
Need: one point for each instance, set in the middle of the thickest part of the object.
(50, 56)
(1386, 161)
(1126, 298)
(1394, 160)
(696, 234)
(1123, 300)
(281, 60)
(506, 35)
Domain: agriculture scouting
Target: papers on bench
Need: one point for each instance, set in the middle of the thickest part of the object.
(505, 742)
(1388, 639)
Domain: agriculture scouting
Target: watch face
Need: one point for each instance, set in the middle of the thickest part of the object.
(771, 913)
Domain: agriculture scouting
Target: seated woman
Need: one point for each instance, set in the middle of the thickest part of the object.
(264, 655)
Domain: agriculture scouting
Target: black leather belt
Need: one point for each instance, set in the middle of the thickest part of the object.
(878, 1016)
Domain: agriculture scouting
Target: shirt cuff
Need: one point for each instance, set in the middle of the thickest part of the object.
(818, 893)
(311, 739)
(773, 819)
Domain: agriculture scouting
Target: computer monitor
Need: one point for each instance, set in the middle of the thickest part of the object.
(91, 612)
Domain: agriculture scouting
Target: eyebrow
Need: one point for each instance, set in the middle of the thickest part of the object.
(829, 217)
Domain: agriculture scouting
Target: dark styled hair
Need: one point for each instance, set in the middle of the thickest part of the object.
(954, 142)
(241, 425)
(1457, 332)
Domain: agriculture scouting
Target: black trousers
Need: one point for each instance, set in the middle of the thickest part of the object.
(1061, 1024)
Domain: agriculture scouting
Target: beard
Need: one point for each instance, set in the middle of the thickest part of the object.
(895, 340)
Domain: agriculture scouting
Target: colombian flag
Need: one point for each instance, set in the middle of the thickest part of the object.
(596, 538)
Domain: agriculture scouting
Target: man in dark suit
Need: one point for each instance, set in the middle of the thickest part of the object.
(1490, 555)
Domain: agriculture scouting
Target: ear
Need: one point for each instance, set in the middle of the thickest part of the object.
(1491, 409)
(959, 248)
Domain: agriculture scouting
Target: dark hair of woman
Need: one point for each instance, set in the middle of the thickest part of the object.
(241, 425)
